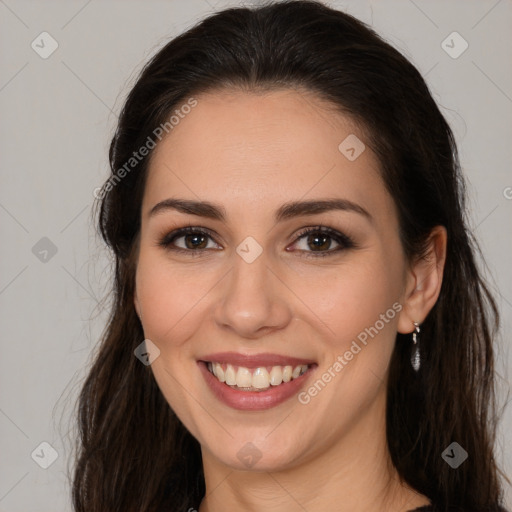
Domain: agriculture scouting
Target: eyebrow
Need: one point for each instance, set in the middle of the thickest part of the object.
(286, 211)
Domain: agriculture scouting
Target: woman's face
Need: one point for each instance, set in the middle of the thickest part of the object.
(255, 291)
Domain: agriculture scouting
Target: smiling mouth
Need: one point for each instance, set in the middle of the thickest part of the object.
(255, 379)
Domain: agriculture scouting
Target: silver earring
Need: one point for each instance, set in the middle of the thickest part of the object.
(415, 355)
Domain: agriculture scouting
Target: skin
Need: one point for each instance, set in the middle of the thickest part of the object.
(251, 153)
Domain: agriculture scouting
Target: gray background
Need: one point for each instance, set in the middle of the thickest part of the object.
(58, 115)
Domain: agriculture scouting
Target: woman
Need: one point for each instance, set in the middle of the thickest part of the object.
(298, 320)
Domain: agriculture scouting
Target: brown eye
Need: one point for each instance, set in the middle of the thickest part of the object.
(189, 240)
(195, 241)
(319, 241)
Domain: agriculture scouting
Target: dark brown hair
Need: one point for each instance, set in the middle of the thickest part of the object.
(134, 454)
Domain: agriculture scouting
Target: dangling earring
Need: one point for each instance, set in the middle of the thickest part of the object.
(415, 355)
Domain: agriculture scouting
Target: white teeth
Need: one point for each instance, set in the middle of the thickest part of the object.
(287, 374)
(276, 376)
(243, 378)
(219, 372)
(260, 378)
(257, 379)
(230, 375)
(296, 372)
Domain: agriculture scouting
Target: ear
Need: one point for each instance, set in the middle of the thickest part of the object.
(423, 283)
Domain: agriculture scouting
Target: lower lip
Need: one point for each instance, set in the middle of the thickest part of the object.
(253, 400)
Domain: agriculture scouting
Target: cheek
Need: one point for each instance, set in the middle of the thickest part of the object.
(346, 300)
(357, 307)
(170, 299)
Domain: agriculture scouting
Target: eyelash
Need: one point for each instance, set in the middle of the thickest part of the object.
(343, 240)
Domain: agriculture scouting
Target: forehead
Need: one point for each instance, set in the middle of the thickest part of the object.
(238, 147)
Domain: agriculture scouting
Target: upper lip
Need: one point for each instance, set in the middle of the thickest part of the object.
(256, 360)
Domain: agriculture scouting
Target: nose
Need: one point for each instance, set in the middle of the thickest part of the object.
(254, 300)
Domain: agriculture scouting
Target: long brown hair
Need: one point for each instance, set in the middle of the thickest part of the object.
(134, 454)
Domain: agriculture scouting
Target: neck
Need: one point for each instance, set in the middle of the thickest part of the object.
(354, 474)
